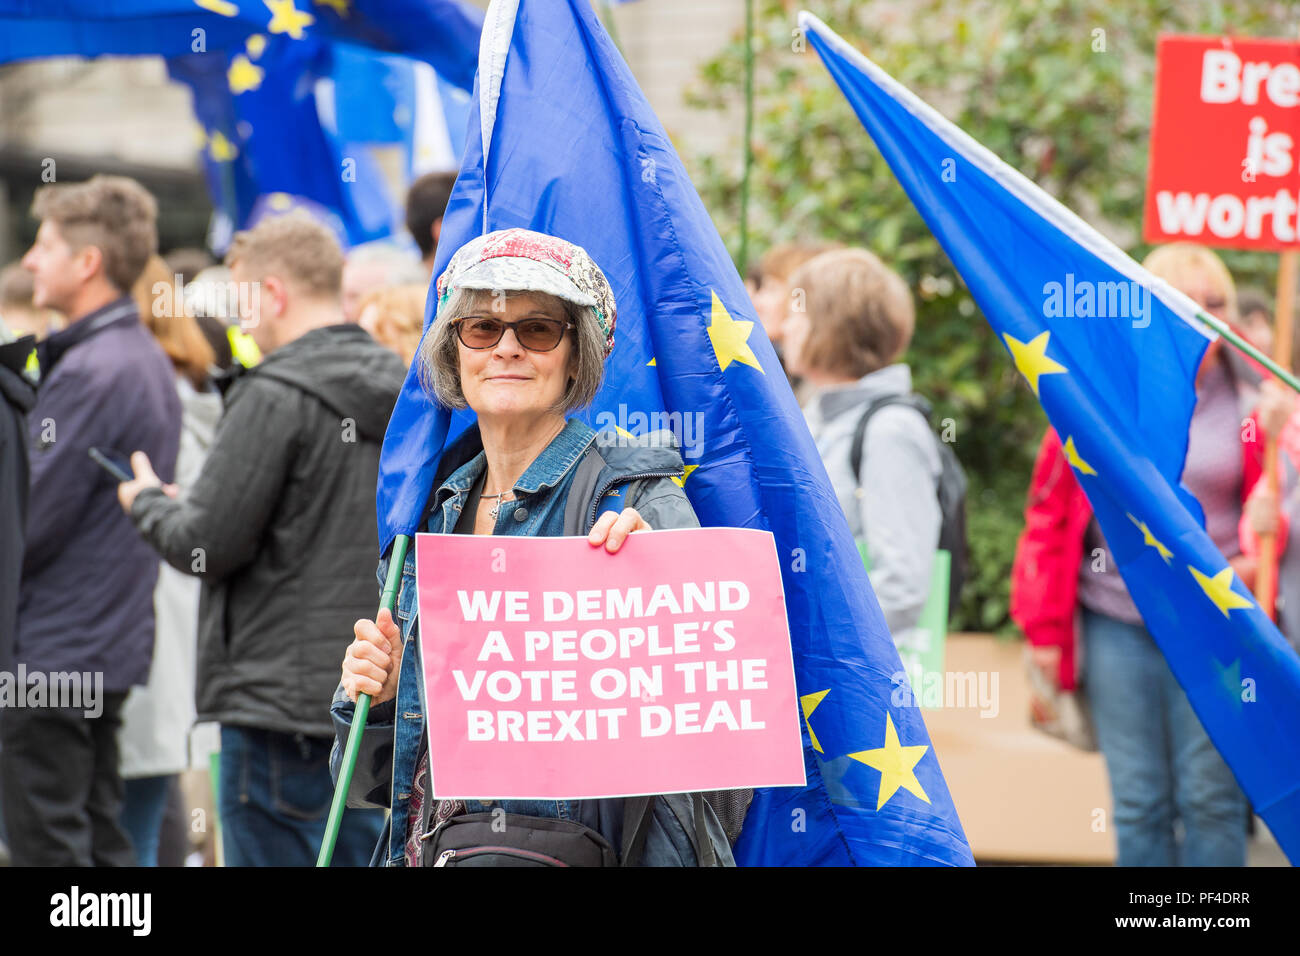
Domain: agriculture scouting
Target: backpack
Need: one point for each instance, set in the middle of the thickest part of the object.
(509, 839)
(951, 490)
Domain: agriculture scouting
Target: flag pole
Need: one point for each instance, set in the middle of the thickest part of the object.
(387, 599)
(1241, 345)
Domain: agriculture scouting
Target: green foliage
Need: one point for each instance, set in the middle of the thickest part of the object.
(1060, 89)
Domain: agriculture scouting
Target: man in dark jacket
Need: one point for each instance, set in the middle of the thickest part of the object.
(85, 615)
(280, 527)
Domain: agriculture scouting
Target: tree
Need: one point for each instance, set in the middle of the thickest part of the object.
(1060, 89)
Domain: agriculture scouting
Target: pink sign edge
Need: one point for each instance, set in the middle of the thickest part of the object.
(428, 729)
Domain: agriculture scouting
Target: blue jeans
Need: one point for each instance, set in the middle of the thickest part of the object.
(142, 815)
(275, 794)
(1161, 763)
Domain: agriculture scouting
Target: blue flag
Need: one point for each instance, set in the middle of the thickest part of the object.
(269, 116)
(443, 33)
(295, 102)
(1112, 354)
(563, 142)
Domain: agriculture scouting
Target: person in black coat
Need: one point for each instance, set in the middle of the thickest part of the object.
(280, 527)
(17, 396)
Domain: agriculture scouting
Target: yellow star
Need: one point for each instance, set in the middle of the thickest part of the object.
(809, 703)
(243, 75)
(651, 362)
(1219, 590)
(686, 473)
(221, 149)
(341, 7)
(1073, 457)
(896, 765)
(218, 6)
(1031, 358)
(730, 338)
(255, 44)
(286, 18)
(1149, 539)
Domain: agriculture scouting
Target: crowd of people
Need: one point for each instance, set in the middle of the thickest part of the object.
(205, 590)
(190, 454)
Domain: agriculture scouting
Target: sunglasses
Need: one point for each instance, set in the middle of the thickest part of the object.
(536, 335)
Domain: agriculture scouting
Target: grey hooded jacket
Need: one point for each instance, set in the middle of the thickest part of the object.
(280, 526)
(890, 496)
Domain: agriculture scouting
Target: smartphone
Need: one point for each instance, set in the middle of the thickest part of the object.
(113, 462)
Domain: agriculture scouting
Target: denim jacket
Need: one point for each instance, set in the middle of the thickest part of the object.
(645, 467)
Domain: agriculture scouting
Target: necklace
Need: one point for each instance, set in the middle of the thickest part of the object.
(496, 508)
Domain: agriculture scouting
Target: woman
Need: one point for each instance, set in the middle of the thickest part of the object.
(1161, 763)
(524, 325)
(856, 320)
(156, 720)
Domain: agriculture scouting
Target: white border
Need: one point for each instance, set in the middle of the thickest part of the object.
(493, 46)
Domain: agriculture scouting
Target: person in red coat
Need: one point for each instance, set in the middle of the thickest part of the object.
(1086, 634)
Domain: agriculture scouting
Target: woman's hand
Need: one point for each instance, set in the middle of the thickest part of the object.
(373, 660)
(1261, 509)
(1047, 658)
(612, 529)
(1276, 403)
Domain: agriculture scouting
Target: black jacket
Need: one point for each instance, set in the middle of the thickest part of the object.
(280, 526)
(17, 396)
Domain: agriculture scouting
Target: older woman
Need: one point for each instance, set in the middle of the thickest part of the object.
(524, 324)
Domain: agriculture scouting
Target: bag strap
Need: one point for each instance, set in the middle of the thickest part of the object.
(911, 400)
(637, 814)
(581, 489)
(705, 855)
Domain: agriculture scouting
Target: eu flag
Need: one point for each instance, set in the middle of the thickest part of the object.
(294, 101)
(1117, 382)
(444, 33)
(563, 142)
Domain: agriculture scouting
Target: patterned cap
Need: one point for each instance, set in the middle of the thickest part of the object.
(511, 260)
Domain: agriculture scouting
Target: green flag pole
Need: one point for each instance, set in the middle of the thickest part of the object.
(387, 599)
(1218, 325)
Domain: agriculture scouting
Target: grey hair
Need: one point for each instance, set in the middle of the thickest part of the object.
(400, 268)
(439, 355)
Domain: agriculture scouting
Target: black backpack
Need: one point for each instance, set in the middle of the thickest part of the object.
(509, 839)
(951, 490)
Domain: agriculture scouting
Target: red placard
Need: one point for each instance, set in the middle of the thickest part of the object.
(1223, 166)
(554, 670)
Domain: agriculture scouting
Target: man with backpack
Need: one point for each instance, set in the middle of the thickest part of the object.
(901, 489)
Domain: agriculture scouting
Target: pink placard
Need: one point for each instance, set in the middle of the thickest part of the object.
(555, 670)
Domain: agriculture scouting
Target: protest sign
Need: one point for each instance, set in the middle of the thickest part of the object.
(1223, 152)
(554, 669)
